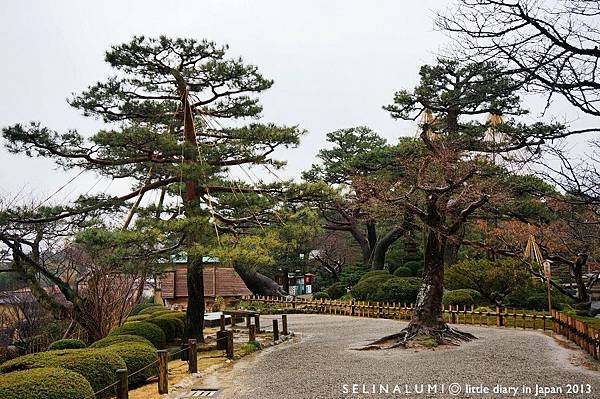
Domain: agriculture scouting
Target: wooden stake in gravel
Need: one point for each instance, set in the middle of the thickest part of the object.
(275, 330)
(192, 356)
(222, 322)
(229, 344)
(163, 365)
(284, 324)
(257, 323)
(122, 389)
(251, 333)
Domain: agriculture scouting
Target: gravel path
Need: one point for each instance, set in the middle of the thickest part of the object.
(321, 362)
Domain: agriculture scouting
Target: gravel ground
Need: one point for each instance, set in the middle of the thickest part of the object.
(321, 362)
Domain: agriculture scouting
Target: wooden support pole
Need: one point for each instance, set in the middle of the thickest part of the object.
(251, 333)
(275, 330)
(192, 356)
(163, 365)
(257, 323)
(284, 324)
(122, 384)
(222, 322)
(229, 344)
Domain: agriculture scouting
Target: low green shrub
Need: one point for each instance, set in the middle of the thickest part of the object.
(250, 347)
(160, 313)
(45, 383)
(403, 272)
(484, 309)
(150, 331)
(351, 275)
(96, 365)
(117, 339)
(374, 273)
(152, 309)
(399, 290)
(367, 288)
(171, 326)
(320, 295)
(67, 344)
(414, 266)
(141, 306)
(458, 298)
(136, 356)
(139, 317)
(336, 290)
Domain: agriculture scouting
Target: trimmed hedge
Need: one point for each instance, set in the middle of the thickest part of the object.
(150, 331)
(152, 309)
(141, 306)
(399, 290)
(159, 313)
(373, 273)
(45, 383)
(403, 272)
(139, 317)
(336, 290)
(96, 365)
(117, 339)
(366, 289)
(171, 326)
(67, 344)
(320, 295)
(136, 356)
(459, 297)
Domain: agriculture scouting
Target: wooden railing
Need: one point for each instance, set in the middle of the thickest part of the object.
(577, 331)
(505, 317)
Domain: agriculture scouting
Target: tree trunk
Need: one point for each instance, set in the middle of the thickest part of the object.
(428, 309)
(194, 317)
(377, 258)
(258, 283)
(578, 269)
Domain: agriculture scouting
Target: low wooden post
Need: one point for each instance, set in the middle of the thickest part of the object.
(248, 321)
(122, 384)
(163, 365)
(275, 330)
(452, 315)
(251, 333)
(284, 324)
(257, 323)
(232, 318)
(222, 322)
(192, 356)
(293, 302)
(229, 344)
(352, 309)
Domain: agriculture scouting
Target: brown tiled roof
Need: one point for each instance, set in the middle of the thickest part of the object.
(218, 281)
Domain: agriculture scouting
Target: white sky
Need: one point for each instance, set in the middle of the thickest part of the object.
(335, 63)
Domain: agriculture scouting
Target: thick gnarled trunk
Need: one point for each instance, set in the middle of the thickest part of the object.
(194, 317)
(258, 283)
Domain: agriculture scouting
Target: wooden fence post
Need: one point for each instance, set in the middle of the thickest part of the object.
(229, 344)
(294, 302)
(222, 322)
(275, 330)
(252, 333)
(122, 384)
(257, 323)
(248, 321)
(284, 324)
(192, 356)
(163, 365)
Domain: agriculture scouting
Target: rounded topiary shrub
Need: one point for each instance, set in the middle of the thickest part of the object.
(117, 339)
(160, 313)
(171, 326)
(320, 295)
(414, 266)
(399, 290)
(374, 273)
(150, 331)
(403, 272)
(67, 344)
(139, 317)
(458, 298)
(44, 383)
(367, 288)
(96, 365)
(336, 290)
(141, 306)
(152, 309)
(136, 356)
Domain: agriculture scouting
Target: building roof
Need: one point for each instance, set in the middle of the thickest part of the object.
(218, 281)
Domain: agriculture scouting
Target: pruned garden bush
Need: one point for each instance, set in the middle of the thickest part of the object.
(460, 297)
(320, 295)
(139, 307)
(139, 317)
(403, 272)
(96, 365)
(150, 331)
(171, 326)
(67, 344)
(136, 356)
(398, 290)
(45, 383)
(336, 290)
(368, 286)
(117, 339)
(152, 309)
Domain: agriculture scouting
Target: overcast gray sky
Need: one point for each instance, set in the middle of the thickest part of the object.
(335, 63)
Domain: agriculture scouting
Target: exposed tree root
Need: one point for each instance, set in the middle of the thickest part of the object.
(445, 335)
